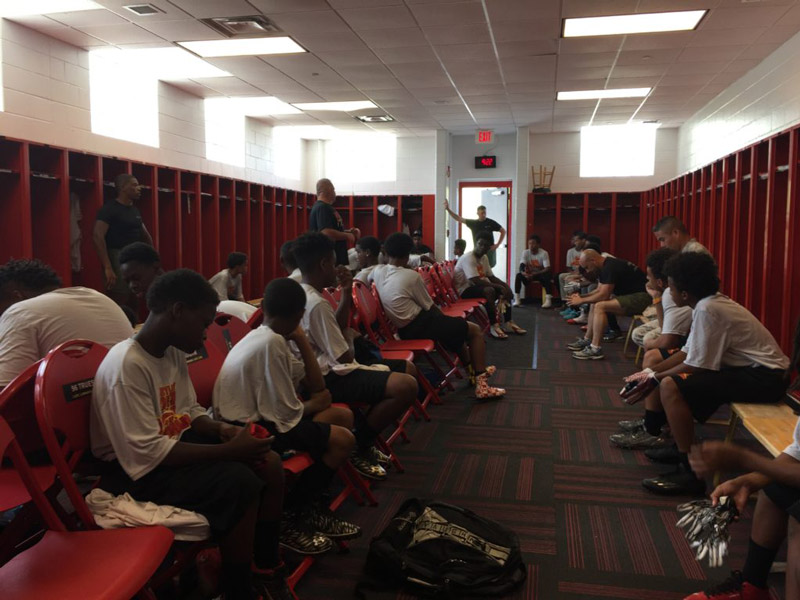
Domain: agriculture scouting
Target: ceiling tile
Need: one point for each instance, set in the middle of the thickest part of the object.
(655, 56)
(527, 48)
(283, 6)
(343, 40)
(742, 17)
(523, 10)
(88, 18)
(181, 31)
(169, 11)
(229, 86)
(597, 8)
(349, 58)
(523, 31)
(406, 54)
(589, 45)
(121, 34)
(75, 37)
(656, 41)
(203, 9)
(394, 38)
(450, 14)
(777, 34)
(322, 22)
(707, 54)
(723, 37)
(386, 17)
(475, 34)
(465, 52)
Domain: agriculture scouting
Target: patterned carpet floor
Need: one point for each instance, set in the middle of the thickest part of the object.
(539, 462)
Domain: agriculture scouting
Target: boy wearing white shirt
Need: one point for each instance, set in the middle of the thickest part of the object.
(534, 266)
(288, 263)
(368, 250)
(163, 448)
(228, 282)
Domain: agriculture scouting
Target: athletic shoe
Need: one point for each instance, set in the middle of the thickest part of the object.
(613, 335)
(579, 344)
(548, 301)
(589, 353)
(631, 425)
(571, 313)
(517, 302)
(637, 440)
(667, 455)
(580, 319)
(298, 536)
(270, 584)
(682, 481)
(483, 391)
(379, 457)
(324, 522)
(365, 465)
(496, 331)
(733, 588)
(564, 312)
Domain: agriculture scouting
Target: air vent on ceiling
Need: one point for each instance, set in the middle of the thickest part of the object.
(242, 27)
(143, 10)
(375, 118)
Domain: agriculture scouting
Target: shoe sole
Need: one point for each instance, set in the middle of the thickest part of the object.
(305, 552)
(343, 537)
(582, 357)
(372, 477)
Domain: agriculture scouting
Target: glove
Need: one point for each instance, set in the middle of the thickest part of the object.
(638, 386)
(706, 528)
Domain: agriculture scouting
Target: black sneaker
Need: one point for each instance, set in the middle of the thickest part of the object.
(680, 482)
(323, 521)
(613, 335)
(367, 466)
(271, 585)
(379, 457)
(631, 425)
(667, 455)
(637, 440)
(298, 536)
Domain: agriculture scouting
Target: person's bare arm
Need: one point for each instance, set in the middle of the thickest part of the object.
(665, 340)
(603, 292)
(99, 239)
(345, 308)
(242, 447)
(500, 241)
(313, 381)
(457, 217)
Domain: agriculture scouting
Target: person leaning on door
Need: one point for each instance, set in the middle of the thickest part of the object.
(481, 224)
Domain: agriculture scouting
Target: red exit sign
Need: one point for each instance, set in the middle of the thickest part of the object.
(484, 136)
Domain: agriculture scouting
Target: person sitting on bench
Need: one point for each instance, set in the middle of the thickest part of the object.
(534, 266)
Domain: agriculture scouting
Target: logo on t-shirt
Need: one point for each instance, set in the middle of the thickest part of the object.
(480, 270)
(535, 264)
(172, 423)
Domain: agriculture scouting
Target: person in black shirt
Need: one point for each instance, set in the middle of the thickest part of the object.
(621, 291)
(118, 224)
(478, 225)
(419, 247)
(326, 220)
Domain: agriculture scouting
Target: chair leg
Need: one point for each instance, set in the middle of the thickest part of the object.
(638, 356)
(359, 482)
(734, 421)
(384, 447)
(628, 338)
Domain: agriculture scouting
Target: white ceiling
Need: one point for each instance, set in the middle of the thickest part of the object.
(460, 64)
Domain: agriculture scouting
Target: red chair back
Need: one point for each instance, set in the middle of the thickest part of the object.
(204, 367)
(256, 319)
(446, 276)
(16, 407)
(62, 396)
(226, 331)
(370, 313)
(333, 296)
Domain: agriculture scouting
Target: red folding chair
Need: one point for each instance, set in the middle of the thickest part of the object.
(113, 564)
(226, 331)
(256, 319)
(444, 285)
(204, 367)
(451, 311)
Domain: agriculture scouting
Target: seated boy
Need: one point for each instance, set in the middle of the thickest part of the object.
(287, 261)
(411, 309)
(534, 266)
(459, 247)
(258, 383)
(228, 282)
(163, 447)
(729, 356)
(369, 250)
(474, 279)
(385, 391)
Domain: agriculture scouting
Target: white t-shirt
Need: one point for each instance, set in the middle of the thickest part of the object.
(467, 267)
(725, 335)
(323, 331)
(793, 449)
(258, 381)
(363, 274)
(141, 405)
(223, 283)
(573, 258)
(240, 310)
(402, 293)
(677, 319)
(296, 275)
(540, 260)
(31, 328)
(694, 246)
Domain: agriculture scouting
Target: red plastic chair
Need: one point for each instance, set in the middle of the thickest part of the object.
(256, 319)
(226, 331)
(449, 296)
(204, 367)
(113, 564)
(430, 285)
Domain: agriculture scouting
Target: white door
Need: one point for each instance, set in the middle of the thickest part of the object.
(496, 202)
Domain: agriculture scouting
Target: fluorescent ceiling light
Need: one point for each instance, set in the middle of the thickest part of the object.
(24, 8)
(625, 24)
(263, 106)
(166, 64)
(244, 47)
(339, 106)
(604, 94)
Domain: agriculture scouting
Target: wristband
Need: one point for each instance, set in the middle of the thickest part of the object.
(657, 300)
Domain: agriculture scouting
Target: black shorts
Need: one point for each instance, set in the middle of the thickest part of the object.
(785, 497)
(450, 332)
(706, 391)
(221, 491)
(667, 352)
(362, 386)
(307, 436)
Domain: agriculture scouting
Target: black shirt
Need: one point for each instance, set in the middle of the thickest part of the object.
(476, 226)
(124, 224)
(626, 277)
(324, 216)
(421, 249)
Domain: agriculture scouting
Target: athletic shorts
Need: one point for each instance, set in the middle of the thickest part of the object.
(785, 497)
(634, 304)
(362, 386)
(667, 352)
(307, 436)
(450, 332)
(705, 392)
(221, 491)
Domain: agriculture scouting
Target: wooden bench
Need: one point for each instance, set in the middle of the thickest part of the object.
(771, 424)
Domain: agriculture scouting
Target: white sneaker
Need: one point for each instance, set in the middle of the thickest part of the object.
(517, 302)
(548, 301)
(583, 318)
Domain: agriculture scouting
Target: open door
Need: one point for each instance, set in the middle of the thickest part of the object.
(496, 197)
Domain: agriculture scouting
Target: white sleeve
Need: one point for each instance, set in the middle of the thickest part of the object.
(469, 265)
(525, 258)
(707, 342)
(19, 347)
(280, 369)
(238, 294)
(487, 268)
(545, 260)
(363, 276)
(420, 294)
(793, 449)
(325, 332)
(677, 320)
(414, 261)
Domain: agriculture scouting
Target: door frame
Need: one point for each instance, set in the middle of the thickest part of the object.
(505, 183)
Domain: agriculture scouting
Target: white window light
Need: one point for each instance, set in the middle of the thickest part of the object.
(361, 158)
(166, 64)
(337, 106)
(225, 132)
(630, 24)
(604, 94)
(618, 150)
(24, 8)
(243, 47)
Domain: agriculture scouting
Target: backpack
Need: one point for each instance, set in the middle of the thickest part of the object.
(437, 549)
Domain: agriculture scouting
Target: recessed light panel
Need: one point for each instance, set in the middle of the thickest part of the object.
(262, 106)
(604, 94)
(337, 106)
(244, 47)
(24, 8)
(166, 64)
(630, 24)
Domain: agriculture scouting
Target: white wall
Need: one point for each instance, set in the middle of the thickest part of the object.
(764, 101)
(564, 151)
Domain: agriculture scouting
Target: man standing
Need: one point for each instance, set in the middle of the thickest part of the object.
(327, 220)
(118, 224)
(478, 225)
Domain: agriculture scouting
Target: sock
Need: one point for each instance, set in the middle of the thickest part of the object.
(365, 435)
(236, 581)
(310, 485)
(654, 421)
(593, 347)
(265, 552)
(758, 564)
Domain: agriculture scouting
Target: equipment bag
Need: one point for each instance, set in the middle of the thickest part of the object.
(441, 550)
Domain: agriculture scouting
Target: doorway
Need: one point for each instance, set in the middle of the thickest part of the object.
(496, 197)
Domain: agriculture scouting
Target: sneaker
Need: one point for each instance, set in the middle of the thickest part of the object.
(579, 344)
(680, 482)
(613, 335)
(548, 301)
(365, 465)
(667, 455)
(637, 439)
(589, 353)
(580, 319)
(271, 584)
(379, 457)
(496, 331)
(566, 311)
(324, 522)
(298, 536)
(517, 302)
(483, 391)
(733, 588)
(631, 425)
